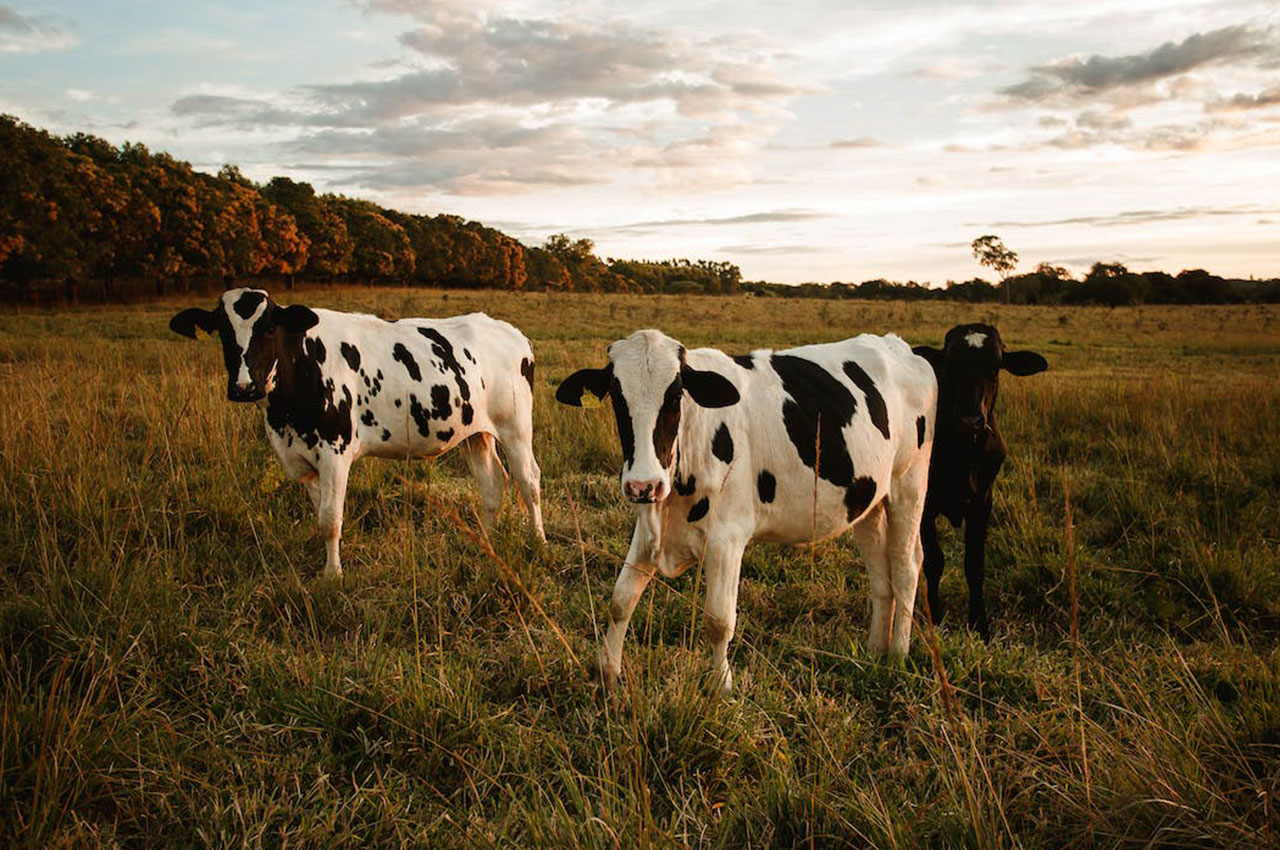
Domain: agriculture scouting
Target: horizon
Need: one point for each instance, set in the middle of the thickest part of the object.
(1076, 135)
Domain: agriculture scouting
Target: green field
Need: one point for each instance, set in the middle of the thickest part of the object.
(176, 673)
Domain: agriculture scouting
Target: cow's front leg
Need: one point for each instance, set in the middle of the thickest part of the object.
(975, 550)
(334, 470)
(933, 564)
(636, 574)
(723, 562)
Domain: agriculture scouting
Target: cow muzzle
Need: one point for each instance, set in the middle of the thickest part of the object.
(644, 492)
(973, 427)
(244, 392)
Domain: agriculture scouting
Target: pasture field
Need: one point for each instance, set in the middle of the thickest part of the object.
(174, 671)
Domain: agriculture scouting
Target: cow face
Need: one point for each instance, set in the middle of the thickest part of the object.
(646, 380)
(968, 370)
(251, 327)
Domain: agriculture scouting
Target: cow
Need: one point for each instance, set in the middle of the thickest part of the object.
(792, 446)
(967, 453)
(334, 387)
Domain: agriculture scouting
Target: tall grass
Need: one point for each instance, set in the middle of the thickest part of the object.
(175, 672)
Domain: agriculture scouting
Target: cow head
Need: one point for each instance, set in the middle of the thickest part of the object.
(968, 370)
(252, 328)
(647, 379)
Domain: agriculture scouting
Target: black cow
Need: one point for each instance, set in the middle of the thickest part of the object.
(967, 451)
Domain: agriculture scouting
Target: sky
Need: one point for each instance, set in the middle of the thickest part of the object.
(816, 140)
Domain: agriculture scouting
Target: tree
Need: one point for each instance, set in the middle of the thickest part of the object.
(993, 254)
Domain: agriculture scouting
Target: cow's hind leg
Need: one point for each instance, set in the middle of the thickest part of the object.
(517, 442)
(332, 490)
(906, 552)
(482, 457)
(723, 568)
(872, 535)
(933, 564)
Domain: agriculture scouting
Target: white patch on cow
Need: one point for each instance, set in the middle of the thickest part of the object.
(644, 365)
(243, 328)
(976, 339)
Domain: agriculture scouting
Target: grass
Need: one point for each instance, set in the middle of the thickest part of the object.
(175, 672)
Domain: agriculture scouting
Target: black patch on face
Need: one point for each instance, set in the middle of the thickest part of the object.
(386, 435)
(684, 486)
(352, 355)
(875, 401)
(622, 416)
(367, 418)
(668, 423)
(858, 497)
(440, 408)
(399, 352)
(526, 368)
(722, 444)
(699, 509)
(247, 303)
(766, 486)
(443, 350)
(920, 423)
(744, 360)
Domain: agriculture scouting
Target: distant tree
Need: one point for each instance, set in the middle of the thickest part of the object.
(993, 254)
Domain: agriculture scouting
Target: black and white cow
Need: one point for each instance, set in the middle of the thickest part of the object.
(967, 452)
(791, 446)
(335, 387)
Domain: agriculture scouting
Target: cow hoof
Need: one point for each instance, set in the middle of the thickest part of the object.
(332, 572)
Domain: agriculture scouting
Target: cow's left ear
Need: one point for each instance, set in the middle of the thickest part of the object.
(928, 352)
(188, 320)
(296, 319)
(708, 389)
(1023, 363)
(595, 381)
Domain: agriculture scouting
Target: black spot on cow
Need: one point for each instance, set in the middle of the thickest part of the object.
(314, 347)
(526, 369)
(440, 408)
(397, 402)
(421, 416)
(467, 354)
(744, 360)
(859, 496)
(920, 423)
(399, 352)
(247, 303)
(815, 413)
(722, 444)
(766, 486)
(444, 436)
(368, 419)
(699, 509)
(622, 414)
(668, 423)
(684, 486)
(443, 350)
(467, 413)
(352, 355)
(386, 435)
(875, 401)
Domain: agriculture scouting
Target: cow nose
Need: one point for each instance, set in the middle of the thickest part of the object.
(241, 391)
(972, 424)
(643, 491)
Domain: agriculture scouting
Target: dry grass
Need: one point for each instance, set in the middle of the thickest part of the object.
(175, 673)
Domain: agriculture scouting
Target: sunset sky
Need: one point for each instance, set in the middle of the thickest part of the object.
(813, 140)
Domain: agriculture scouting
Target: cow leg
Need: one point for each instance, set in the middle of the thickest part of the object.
(634, 578)
(723, 562)
(332, 495)
(872, 534)
(482, 457)
(933, 563)
(518, 444)
(975, 552)
(906, 552)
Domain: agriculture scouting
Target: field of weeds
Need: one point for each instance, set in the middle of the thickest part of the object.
(174, 672)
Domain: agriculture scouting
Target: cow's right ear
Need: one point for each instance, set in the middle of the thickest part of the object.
(296, 319)
(596, 381)
(933, 355)
(188, 320)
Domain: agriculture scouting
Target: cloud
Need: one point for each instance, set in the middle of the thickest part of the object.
(26, 34)
(860, 142)
(1134, 217)
(771, 217)
(1240, 102)
(1075, 78)
(781, 250)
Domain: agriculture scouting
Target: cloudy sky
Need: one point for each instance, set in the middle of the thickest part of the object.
(810, 140)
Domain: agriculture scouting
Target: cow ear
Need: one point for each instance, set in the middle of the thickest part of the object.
(928, 352)
(1023, 363)
(708, 389)
(296, 319)
(594, 380)
(188, 320)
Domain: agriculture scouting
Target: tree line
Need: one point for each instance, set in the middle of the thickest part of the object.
(84, 220)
